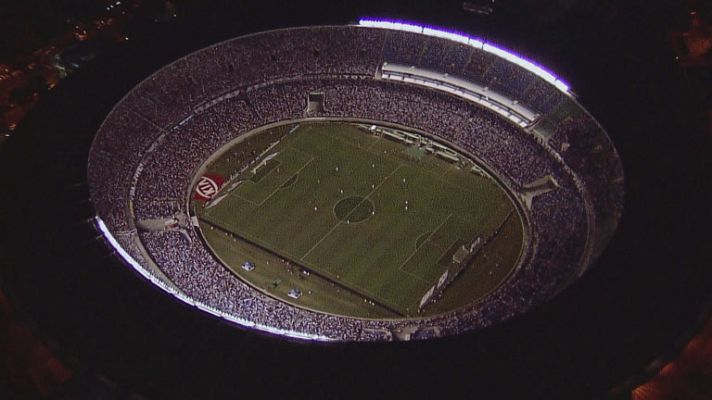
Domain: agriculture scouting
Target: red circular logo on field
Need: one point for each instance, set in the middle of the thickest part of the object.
(206, 188)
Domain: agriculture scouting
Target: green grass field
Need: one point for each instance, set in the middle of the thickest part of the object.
(376, 223)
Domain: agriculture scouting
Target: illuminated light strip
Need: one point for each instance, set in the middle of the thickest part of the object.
(101, 226)
(473, 42)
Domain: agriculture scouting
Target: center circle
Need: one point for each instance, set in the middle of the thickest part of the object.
(354, 209)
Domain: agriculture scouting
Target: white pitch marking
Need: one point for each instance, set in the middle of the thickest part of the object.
(340, 222)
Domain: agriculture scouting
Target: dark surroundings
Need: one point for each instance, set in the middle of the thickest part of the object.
(76, 324)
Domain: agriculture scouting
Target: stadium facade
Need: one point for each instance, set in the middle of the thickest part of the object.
(517, 119)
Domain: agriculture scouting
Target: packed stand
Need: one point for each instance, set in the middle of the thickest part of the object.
(161, 133)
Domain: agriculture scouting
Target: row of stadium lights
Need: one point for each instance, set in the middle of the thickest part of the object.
(473, 42)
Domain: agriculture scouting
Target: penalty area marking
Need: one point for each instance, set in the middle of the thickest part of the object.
(279, 187)
(400, 268)
(285, 181)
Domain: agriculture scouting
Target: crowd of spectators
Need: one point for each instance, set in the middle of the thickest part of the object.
(541, 97)
(150, 148)
(508, 78)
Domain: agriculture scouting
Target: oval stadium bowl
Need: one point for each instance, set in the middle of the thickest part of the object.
(379, 181)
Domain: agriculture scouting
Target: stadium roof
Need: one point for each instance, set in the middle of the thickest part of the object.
(474, 42)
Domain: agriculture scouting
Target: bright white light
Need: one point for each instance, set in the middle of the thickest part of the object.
(561, 86)
(455, 37)
(513, 58)
(474, 42)
(182, 297)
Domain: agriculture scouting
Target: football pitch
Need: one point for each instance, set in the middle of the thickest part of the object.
(360, 224)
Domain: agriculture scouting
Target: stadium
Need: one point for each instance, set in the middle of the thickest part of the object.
(362, 201)
(453, 98)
